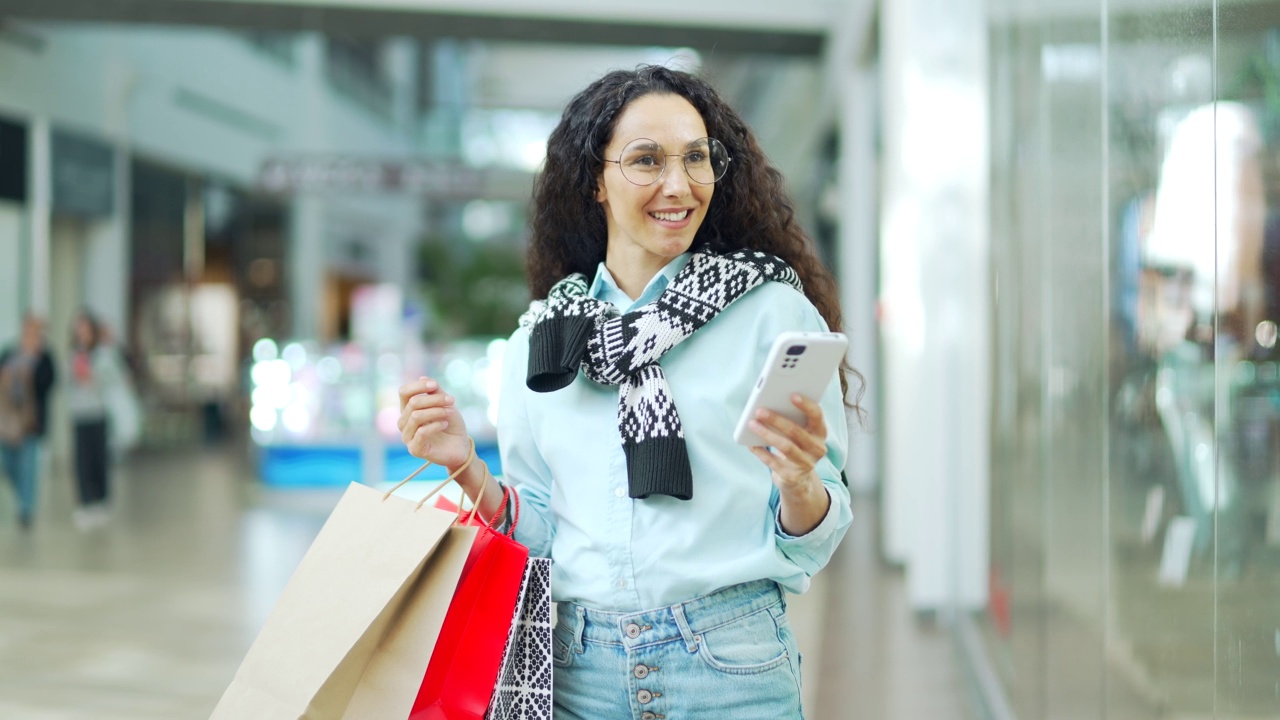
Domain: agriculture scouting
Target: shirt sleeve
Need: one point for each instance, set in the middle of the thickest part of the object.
(523, 468)
(811, 552)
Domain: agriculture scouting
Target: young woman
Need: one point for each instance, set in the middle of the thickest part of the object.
(97, 375)
(27, 376)
(665, 258)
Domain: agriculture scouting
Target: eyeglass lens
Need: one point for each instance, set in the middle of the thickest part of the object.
(644, 161)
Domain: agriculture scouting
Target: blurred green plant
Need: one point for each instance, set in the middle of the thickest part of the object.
(474, 289)
(1259, 80)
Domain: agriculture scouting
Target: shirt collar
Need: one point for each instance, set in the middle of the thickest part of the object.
(604, 287)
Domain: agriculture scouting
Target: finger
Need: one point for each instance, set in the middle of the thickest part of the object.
(421, 439)
(422, 401)
(814, 420)
(784, 445)
(421, 385)
(769, 459)
(410, 420)
(801, 435)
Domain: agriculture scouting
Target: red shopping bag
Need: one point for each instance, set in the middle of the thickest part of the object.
(444, 503)
(460, 678)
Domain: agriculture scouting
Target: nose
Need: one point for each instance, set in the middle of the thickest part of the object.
(675, 182)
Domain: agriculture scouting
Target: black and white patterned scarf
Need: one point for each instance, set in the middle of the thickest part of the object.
(570, 330)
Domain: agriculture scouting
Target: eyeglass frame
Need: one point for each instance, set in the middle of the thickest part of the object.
(728, 159)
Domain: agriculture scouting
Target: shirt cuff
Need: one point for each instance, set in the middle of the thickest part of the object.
(817, 535)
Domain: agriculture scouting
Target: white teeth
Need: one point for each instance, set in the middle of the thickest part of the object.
(672, 217)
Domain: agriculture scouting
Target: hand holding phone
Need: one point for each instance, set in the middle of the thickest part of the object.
(799, 362)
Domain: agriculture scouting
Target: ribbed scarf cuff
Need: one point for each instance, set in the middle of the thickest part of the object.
(556, 349)
(659, 466)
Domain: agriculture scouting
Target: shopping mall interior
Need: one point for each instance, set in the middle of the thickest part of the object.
(1055, 226)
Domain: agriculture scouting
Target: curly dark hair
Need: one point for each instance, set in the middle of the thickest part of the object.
(750, 209)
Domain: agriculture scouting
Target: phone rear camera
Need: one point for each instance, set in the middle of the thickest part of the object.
(795, 350)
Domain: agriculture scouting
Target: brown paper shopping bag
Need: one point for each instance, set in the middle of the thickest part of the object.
(391, 680)
(368, 580)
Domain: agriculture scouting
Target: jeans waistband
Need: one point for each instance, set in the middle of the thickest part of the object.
(683, 620)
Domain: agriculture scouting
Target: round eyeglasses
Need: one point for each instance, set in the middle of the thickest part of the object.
(644, 162)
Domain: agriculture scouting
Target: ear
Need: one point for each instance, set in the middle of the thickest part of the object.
(601, 194)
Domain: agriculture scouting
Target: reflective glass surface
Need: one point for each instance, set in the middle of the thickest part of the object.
(1136, 419)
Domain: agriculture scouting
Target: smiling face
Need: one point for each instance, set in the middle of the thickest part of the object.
(649, 225)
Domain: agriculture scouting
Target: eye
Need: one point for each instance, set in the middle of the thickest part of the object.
(644, 161)
(695, 156)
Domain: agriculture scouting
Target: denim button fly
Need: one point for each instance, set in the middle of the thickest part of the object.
(644, 696)
(633, 630)
(641, 672)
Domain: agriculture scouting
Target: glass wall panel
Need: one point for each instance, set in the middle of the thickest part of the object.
(1136, 424)
(1247, 575)
(1160, 82)
(1017, 559)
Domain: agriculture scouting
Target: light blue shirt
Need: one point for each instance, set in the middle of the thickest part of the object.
(563, 452)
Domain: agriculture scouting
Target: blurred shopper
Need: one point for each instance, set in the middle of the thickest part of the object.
(657, 304)
(98, 381)
(27, 376)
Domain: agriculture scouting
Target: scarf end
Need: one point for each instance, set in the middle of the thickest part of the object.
(556, 348)
(659, 466)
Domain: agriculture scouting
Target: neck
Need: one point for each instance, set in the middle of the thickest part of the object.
(633, 274)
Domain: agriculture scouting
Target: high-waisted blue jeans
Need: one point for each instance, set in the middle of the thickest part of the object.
(21, 465)
(730, 654)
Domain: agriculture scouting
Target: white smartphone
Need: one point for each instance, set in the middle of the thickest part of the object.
(799, 362)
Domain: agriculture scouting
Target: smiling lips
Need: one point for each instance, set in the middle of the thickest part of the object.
(672, 217)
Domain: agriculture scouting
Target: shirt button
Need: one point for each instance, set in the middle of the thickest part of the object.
(622, 583)
(620, 491)
(632, 630)
(641, 672)
(644, 696)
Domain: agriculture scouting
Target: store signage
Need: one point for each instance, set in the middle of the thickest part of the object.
(362, 175)
(13, 161)
(83, 176)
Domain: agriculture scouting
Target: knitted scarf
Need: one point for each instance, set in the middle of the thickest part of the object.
(569, 330)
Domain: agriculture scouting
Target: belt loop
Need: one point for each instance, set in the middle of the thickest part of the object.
(690, 642)
(580, 629)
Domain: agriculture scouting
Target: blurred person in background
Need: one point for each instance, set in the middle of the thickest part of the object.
(27, 376)
(98, 381)
(665, 258)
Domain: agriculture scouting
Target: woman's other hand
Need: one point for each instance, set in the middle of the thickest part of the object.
(796, 450)
(430, 424)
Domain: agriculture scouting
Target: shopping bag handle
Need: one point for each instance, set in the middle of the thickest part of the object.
(475, 506)
(509, 498)
(462, 468)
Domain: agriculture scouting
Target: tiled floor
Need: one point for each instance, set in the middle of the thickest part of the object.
(147, 618)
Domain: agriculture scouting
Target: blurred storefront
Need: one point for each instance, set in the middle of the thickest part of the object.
(282, 219)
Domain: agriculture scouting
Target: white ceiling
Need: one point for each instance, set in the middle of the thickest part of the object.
(789, 16)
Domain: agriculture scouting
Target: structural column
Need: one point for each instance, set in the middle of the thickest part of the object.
(306, 254)
(858, 251)
(40, 207)
(936, 301)
(107, 253)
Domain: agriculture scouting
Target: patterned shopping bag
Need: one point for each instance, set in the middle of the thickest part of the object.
(523, 691)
